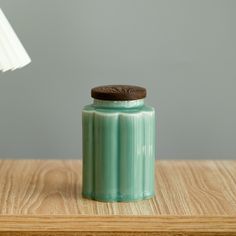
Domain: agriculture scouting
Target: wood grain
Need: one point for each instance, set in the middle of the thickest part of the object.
(43, 197)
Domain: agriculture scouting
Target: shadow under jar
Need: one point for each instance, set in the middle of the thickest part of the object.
(118, 145)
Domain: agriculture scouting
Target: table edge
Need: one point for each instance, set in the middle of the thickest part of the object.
(50, 223)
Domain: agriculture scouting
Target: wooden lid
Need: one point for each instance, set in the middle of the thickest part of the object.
(118, 92)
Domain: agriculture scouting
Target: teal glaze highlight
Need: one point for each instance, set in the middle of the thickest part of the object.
(118, 150)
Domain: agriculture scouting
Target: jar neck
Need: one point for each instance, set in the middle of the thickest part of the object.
(118, 104)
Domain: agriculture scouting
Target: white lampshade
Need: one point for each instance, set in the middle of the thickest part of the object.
(12, 53)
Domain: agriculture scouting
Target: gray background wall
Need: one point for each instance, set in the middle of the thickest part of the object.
(183, 51)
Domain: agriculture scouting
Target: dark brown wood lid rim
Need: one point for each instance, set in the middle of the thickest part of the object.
(118, 92)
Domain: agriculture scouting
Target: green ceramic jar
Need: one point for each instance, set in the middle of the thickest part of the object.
(118, 145)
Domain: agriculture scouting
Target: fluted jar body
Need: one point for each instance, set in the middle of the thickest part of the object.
(118, 150)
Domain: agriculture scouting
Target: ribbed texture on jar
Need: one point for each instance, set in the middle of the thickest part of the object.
(118, 155)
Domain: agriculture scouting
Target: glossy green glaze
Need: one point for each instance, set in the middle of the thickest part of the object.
(118, 150)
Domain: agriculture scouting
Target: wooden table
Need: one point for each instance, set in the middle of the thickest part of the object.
(44, 198)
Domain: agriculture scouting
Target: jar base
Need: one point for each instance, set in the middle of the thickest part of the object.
(118, 198)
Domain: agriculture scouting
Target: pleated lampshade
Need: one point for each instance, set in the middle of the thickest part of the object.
(12, 53)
